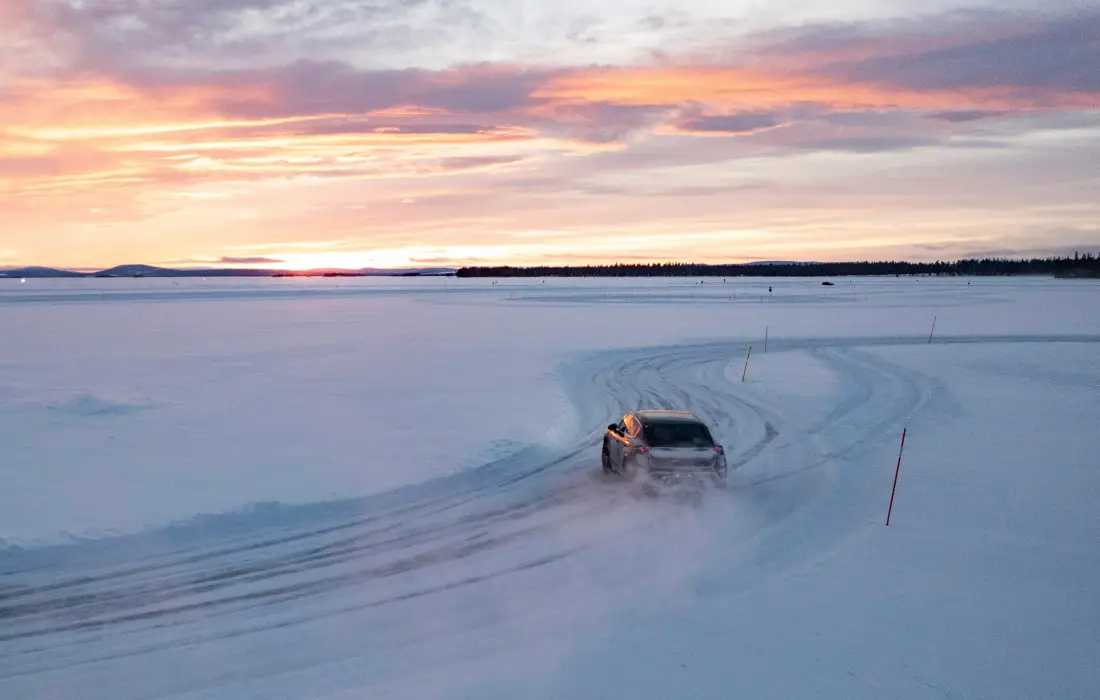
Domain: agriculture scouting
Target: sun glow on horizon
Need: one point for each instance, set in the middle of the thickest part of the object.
(577, 248)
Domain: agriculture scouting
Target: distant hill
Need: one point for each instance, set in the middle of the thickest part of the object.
(154, 271)
(135, 271)
(151, 271)
(36, 272)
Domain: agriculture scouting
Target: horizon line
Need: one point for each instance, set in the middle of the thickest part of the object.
(88, 271)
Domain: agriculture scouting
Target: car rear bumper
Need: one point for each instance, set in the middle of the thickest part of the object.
(656, 460)
(713, 466)
(684, 479)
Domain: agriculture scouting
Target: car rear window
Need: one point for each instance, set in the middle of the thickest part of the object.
(677, 434)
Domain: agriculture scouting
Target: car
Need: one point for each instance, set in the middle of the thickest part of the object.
(664, 450)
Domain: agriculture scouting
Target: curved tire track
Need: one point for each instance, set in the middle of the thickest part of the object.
(409, 540)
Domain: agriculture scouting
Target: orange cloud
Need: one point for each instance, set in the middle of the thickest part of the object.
(75, 103)
(73, 133)
(759, 88)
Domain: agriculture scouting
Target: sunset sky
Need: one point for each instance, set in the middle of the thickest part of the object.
(352, 133)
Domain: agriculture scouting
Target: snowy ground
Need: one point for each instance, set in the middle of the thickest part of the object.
(390, 488)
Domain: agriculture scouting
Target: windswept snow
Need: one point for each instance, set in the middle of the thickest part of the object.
(390, 488)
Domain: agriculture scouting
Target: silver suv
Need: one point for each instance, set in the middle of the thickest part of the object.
(662, 449)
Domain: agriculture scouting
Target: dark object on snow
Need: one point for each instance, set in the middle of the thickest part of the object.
(826, 284)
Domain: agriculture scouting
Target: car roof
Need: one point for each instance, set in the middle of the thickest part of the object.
(667, 416)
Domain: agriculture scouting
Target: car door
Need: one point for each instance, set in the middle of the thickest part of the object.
(617, 444)
(633, 436)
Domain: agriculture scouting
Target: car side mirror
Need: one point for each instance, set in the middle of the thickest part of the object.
(613, 428)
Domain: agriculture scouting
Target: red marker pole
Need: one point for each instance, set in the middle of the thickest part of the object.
(896, 471)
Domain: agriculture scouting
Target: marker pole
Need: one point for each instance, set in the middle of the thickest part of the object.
(896, 471)
(748, 351)
(933, 330)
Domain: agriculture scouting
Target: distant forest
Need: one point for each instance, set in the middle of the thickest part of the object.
(1087, 265)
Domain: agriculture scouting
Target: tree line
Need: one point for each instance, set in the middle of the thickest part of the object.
(1087, 265)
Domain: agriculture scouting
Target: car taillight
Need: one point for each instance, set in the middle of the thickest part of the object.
(642, 449)
(718, 449)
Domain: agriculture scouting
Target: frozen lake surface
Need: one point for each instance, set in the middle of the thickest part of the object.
(347, 488)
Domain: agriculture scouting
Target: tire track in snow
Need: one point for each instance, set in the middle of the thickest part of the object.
(208, 581)
(878, 396)
(394, 541)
